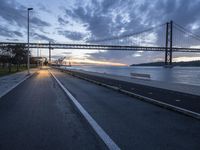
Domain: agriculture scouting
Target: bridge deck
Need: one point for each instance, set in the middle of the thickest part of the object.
(88, 46)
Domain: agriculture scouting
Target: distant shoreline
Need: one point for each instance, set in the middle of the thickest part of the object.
(181, 64)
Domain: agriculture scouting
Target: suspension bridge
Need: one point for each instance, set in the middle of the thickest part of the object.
(168, 38)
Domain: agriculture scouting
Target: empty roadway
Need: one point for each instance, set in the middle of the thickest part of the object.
(131, 123)
(37, 115)
(169, 96)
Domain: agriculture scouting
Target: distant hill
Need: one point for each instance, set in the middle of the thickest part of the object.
(186, 64)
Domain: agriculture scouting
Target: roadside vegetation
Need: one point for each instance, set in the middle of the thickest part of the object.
(13, 58)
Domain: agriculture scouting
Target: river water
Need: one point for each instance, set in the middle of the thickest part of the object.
(186, 75)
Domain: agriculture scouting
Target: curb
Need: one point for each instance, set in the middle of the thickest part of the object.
(14, 86)
(144, 98)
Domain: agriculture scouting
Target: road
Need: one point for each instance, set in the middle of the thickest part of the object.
(37, 115)
(131, 123)
(180, 99)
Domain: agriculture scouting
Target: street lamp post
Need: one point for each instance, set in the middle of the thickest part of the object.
(28, 58)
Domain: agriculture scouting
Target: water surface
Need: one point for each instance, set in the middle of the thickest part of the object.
(186, 75)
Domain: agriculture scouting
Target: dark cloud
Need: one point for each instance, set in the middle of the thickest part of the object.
(42, 37)
(93, 16)
(101, 22)
(107, 18)
(183, 12)
(62, 21)
(43, 8)
(12, 39)
(39, 23)
(72, 35)
(17, 33)
(4, 31)
(15, 13)
(12, 12)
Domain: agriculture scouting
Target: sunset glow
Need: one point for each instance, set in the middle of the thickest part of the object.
(178, 59)
(92, 62)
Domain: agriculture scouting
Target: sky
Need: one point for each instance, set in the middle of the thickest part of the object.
(69, 21)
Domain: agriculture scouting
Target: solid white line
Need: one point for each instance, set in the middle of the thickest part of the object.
(100, 132)
(14, 86)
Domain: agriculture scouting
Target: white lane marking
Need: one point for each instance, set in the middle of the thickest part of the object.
(14, 86)
(100, 132)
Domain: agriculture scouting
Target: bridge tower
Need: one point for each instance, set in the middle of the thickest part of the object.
(50, 48)
(169, 40)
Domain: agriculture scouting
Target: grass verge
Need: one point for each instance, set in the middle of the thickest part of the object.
(5, 71)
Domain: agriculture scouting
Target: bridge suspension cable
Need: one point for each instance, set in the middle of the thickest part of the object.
(187, 31)
(185, 38)
(153, 36)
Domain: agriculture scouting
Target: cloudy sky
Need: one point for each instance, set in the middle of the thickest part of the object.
(68, 21)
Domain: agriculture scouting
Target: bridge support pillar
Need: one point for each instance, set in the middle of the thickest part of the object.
(169, 40)
(50, 53)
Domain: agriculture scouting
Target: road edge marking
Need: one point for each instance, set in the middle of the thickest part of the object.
(99, 131)
(17, 84)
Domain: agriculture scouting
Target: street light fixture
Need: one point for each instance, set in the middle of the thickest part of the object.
(28, 58)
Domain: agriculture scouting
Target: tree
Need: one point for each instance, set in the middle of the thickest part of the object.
(13, 54)
(6, 56)
(19, 55)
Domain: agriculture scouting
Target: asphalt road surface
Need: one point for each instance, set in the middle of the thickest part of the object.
(37, 115)
(183, 100)
(131, 123)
